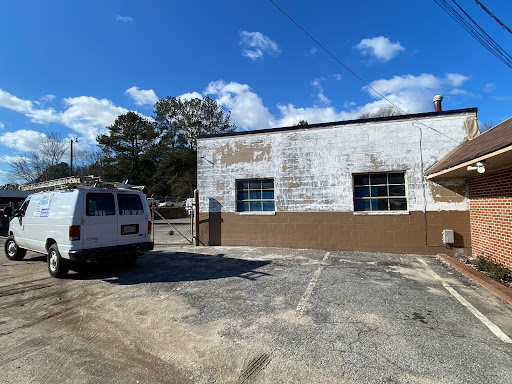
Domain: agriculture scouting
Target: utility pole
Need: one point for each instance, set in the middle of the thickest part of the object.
(71, 161)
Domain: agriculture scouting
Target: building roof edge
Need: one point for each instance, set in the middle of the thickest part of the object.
(343, 122)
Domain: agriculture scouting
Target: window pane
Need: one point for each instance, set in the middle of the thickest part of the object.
(398, 204)
(362, 191)
(243, 195)
(254, 184)
(379, 204)
(361, 180)
(130, 204)
(361, 205)
(254, 195)
(396, 178)
(379, 191)
(268, 206)
(255, 205)
(268, 195)
(242, 184)
(267, 184)
(242, 206)
(397, 190)
(100, 204)
(378, 178)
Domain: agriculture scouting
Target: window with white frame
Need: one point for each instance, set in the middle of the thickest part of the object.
(255, 195)
(380, 192)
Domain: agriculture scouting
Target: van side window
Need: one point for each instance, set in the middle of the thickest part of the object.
(24, 206)
(100, 204)
(130, 204)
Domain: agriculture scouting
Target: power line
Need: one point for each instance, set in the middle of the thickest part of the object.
(492, 15)
(353, 73)
(472, 27)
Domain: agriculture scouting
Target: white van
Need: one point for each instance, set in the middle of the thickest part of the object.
(81, 224)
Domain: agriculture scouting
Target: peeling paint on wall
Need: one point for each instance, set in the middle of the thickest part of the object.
(289, 182)
(300, 202)
(230, 154)
(313, 168)
(376, 163)
(221, 186)
(449, 191)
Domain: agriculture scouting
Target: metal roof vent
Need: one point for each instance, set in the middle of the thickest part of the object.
(437, 103)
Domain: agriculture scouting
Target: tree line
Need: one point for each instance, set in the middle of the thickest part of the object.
(160, 153)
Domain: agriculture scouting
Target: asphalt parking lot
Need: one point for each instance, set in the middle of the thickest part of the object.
(252, 315)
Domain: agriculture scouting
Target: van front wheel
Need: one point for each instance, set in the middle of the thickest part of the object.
(57, 266)
(12, 251)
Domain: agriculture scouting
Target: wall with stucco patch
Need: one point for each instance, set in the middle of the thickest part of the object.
(312, 168)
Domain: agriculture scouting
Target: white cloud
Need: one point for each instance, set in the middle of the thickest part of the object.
(85, 115)
(424, 81)
(414, 93)
(313, 51)
(124, 19)
(190, 96)
(247, 109)
(321, 98)
(47, 98)
(256, 44)
(380, 47)
(8, 158)
(456, 79)
(489, 87)
(142, 96)
(2, 125)
(89, 116)
(337, 76)
(22, 140)
(290, 115)
(457, 91)
(14, 103)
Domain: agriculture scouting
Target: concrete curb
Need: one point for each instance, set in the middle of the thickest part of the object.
(485, 281)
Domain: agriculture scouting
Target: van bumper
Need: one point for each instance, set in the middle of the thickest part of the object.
(108, 252)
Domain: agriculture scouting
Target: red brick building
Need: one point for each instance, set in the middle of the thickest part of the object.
(486, 162)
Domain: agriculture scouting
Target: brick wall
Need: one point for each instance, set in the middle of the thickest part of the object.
(491, 215)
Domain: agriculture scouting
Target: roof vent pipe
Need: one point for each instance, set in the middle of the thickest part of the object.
(437, 103)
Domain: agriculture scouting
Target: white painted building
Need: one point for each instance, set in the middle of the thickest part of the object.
(336, 185)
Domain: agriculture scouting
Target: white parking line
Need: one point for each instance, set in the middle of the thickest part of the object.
(488, 323)
(309, 290)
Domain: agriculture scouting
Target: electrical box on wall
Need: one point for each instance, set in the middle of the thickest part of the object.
(448, 236)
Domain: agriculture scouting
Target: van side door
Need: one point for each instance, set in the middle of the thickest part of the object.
(100, 220)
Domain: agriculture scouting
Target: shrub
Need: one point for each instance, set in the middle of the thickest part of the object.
(492, 269)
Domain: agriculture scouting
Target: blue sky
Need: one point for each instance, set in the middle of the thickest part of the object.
(73, 66)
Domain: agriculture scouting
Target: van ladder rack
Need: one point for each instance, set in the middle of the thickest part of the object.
(65, 182)
(78, 181)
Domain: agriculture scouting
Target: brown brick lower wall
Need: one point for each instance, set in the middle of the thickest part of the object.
(338, 230)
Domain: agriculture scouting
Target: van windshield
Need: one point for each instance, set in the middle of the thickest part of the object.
(130, 204)
(100, 204)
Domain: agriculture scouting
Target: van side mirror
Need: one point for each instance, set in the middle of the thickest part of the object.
(19, 213)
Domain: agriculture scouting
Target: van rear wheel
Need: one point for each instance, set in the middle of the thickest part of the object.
(57, 266)
(12, 251)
